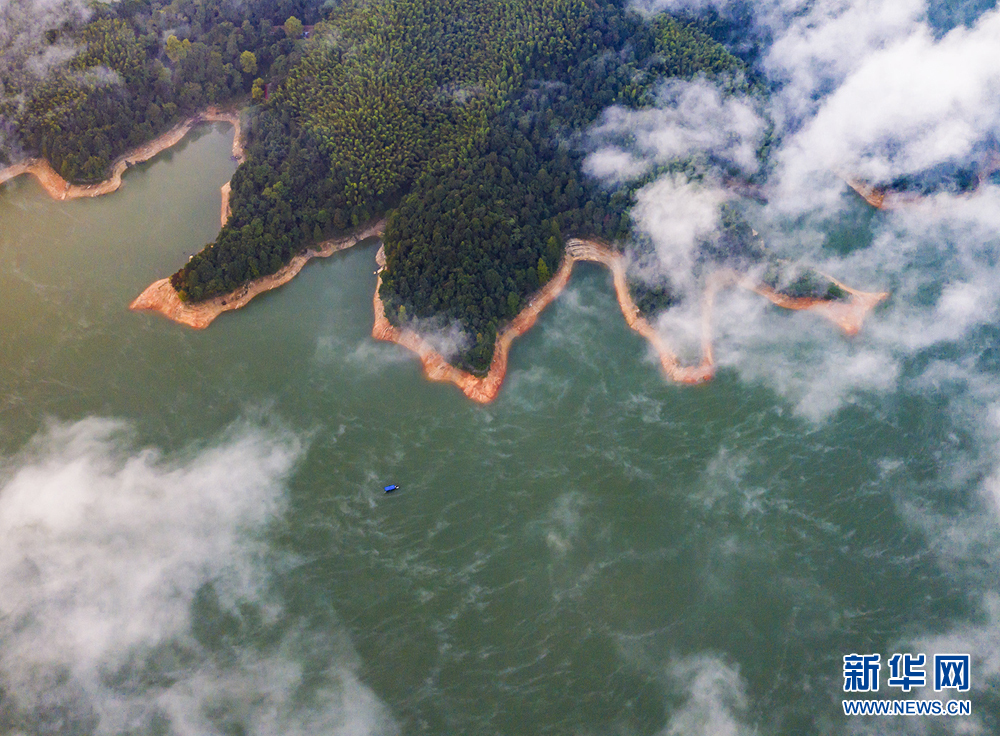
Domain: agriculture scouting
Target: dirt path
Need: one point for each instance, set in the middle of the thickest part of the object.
(847, 315)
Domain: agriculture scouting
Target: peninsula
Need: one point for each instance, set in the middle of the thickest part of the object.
(161, 297)
(60, 189)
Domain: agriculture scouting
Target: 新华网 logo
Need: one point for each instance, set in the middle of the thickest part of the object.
(906, 672)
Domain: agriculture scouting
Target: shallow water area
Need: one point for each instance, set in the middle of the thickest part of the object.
(194, 537)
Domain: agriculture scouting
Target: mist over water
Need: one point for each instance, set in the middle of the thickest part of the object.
(193, 537)
(136, 597)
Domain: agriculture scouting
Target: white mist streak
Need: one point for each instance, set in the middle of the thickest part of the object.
(690, 119)
(104, 552)
(715, 698)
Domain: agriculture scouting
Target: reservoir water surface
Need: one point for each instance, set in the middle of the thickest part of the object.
(194, 537)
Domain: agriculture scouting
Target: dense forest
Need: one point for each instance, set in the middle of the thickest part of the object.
(461, 123)
(134, 69)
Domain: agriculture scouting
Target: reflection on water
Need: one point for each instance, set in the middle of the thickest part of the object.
(195, 537)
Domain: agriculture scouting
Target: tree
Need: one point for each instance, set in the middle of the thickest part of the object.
(177, 49)
(248, 62)
(543, 272)
(293, 27)
(257, 92)
(173, 48)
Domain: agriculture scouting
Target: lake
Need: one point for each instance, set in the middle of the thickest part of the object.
(194, 537)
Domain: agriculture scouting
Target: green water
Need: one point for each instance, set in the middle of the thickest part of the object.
(597, 552)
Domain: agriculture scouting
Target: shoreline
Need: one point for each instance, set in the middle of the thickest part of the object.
(848, 315)
(161, 297)
(60, 189)
(889, 199)
(225, 212)
(881, 199)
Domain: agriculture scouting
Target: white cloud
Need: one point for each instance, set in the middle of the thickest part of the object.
(677, 215)
(715, 698)
(650, 7)
(912, 104)
(105, 553)
(22, 25)
(690, 118)
(615, 165)
(817, 45)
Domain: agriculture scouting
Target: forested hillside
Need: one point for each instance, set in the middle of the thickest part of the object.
(133, 69)
(459, 119)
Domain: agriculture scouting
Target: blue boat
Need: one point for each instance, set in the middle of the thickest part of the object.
(390, 489)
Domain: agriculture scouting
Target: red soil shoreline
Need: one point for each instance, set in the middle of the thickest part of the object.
(60, 189)
(161, 297)
(888, 199)
(847, 315)
(881, 199)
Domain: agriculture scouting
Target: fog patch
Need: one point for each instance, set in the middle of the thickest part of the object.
(917, 103)
(677, 215)
(581, 302)
(652, 7)
(45, 60)
(24, 48)
(690, 119)
(615, 165)
(562, 527)
(714, 698)
(535, 386)
(817, 376)
(100, 76)
(368, 355)
(450, 339)
(682, 326)
(136, 592)
(801, 356)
